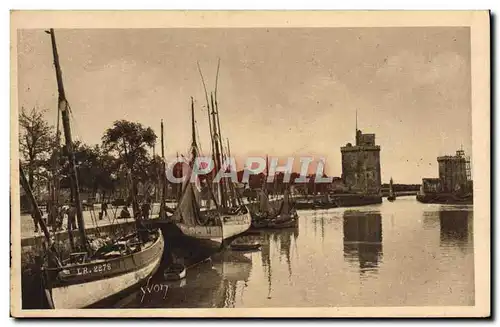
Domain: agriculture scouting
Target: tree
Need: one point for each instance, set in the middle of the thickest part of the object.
(36, 140)
(96, 170)
(130, 141)
(107, 171)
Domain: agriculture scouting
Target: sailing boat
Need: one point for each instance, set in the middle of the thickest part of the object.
(265, 212)
(203, 231)
(89, 276)
(287, 216)
(392, 195)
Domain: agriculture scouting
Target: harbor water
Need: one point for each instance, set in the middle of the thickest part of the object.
(402, 253)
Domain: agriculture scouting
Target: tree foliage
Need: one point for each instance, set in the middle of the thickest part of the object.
(130, 141)
(36, 140)
(96, 170)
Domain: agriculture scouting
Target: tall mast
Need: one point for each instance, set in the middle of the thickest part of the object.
(217, 80)
(194, 147)
(163, 179)
(356, 131)
(218, 157)
(214, 104)
(55, 163)
(208, 109)
(219, 141)
(231, 184)
(37, 215)
(63, 107)
(267, 174)
(356, 120)
(178, 186)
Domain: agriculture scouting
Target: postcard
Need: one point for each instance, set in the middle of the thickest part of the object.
(250, 164)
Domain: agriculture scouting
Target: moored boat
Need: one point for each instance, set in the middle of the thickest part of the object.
(445, 198)
(287, 216)
(108, 272)
(91, 275)
(392, 195)
(174, 272)
(245, 246)
(290, 223)
(205, 231)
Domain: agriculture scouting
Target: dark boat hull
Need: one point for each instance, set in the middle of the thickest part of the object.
(284, 224)
(245, 247)
(441, 198)
(187, 249)
(304, 205)
(83, 285)
(340, 201)
(260, 224)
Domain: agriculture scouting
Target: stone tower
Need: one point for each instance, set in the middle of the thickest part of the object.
(361, 164)
(453, 172)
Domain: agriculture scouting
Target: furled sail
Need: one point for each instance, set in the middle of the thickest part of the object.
(188, 209)
(264, 202)
(285, 205)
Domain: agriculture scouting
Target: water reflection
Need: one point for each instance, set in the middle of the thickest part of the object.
(285, 243)
(455, 228)
(282, 242)
(430, 220)
(339, 258)
(202, 287)
(266, 261)
(235, 268)
(363, 239)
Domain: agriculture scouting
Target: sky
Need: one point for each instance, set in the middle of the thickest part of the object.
(281, 91)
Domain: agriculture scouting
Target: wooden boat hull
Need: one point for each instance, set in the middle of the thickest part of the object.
(445, 198)
(193, 244)
(245, 247)
(260, 223)
(187, 248)
(232, 226)
(91, 283)
(304, 205)
(284, 224)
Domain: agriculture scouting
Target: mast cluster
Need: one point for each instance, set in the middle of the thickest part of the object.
(224, 191)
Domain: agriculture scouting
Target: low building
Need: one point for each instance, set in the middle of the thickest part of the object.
(431, 185)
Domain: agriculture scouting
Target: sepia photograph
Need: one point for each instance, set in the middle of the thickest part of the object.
(250, 164)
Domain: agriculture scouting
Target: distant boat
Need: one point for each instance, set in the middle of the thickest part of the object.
(392, 195)
(245, 246)
(265, 212)
(287, 216)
